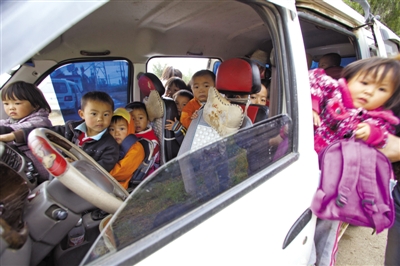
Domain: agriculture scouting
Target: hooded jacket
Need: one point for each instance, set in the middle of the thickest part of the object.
(131, 155)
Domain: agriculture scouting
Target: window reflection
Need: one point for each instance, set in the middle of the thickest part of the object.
(182, 185)
(64, 87)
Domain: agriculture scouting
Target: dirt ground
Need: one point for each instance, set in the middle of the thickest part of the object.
(358, 247)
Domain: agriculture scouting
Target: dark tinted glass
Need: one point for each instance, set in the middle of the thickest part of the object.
(109, 76)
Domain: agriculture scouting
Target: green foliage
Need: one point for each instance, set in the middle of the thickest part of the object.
(187, 76)
(158, 69)
(388, 10)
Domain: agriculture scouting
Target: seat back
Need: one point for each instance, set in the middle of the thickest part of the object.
(147, 163)
(238, 76)
(169, 147)
(255, 112)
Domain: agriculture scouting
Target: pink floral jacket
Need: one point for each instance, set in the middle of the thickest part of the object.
(331, 99)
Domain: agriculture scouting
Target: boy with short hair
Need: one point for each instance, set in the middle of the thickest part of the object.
(329, 60)
(181, 98)
(91, 134)
(131, 152)
(144, 130)
(201, 82)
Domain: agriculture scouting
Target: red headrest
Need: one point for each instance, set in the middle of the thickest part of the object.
(148, 82)
(238, 76)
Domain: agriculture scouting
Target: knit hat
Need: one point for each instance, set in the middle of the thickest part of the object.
(260, 57)
(127, 116)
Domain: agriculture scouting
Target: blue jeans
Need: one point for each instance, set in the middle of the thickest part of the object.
(392, 254)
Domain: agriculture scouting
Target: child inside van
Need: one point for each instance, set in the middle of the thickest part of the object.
(91, 133)
(201, 82)
(170, 72)
(357, 105)
(143, 129)
(26, 107)
(331, 63)
(181, 98)
(261, 97)
(173, 85)
(131, 153)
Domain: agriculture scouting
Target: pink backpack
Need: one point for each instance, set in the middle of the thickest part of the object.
(355, 185)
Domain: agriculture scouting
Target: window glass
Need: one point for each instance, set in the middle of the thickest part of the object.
(65, 86)
(188, 182)
(391, 48)
(186, 65)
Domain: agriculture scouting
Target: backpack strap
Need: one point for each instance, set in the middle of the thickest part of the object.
(351, 170)
(126, 145)
(367, 187)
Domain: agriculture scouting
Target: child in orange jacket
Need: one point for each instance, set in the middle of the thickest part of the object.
(201, 82)
(131, 153)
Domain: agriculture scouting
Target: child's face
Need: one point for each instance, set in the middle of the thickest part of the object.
(171, 90)
(97, 116)
(260, 97)
(200, 87)
(119, 130)
(368, 93)
(180, 102)
(18, 109)
(140, 118)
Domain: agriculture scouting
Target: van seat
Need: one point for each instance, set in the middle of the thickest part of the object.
(238, 76)
(256, 112)
(169, 147)
(142, 170)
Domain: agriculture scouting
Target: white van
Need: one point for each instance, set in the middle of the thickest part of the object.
(262, 217)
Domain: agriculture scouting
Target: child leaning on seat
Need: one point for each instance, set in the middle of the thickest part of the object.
(201, 82)
(181, 98)
(144, 130)
(91, 134)
(357, 105)
(131, 152)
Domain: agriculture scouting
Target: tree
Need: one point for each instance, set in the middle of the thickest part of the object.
(158, 69)
(388, 10)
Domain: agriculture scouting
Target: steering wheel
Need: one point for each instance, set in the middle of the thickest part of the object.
(44, 144)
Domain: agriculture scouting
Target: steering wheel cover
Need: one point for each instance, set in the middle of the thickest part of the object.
(69, 176)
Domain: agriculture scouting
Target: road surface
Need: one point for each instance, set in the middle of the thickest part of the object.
(358, 247)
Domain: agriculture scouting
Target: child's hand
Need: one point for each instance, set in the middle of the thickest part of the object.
(363, 131)
(316, 119)
(7, 137)
(169, 124)
(194, 115)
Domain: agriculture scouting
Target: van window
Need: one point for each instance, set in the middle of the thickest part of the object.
(186, 65)
(60, 88)
(64, 87)
(392, 48)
